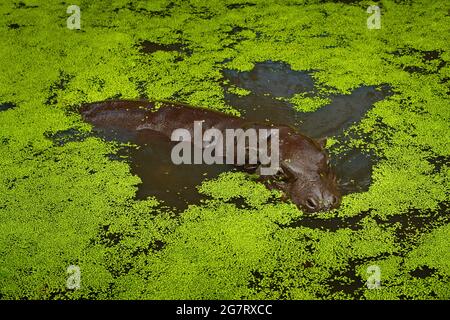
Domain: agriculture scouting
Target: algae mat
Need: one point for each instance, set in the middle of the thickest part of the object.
(67, 198)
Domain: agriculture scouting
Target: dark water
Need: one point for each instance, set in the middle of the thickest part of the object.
(176, 184)
(173, 184)
(6, 106)
(150, 47)
(271, 80)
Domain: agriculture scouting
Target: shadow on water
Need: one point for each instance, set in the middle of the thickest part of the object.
(269, 81)
(176, 184)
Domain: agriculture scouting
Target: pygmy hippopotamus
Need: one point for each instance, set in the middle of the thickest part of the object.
(303, 173)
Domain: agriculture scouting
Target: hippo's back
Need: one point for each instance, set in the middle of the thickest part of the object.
(163, 117)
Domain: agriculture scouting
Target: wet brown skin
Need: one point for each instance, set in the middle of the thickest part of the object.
(304, 176)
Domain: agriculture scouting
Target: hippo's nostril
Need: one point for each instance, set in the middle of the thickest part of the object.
(311, 203)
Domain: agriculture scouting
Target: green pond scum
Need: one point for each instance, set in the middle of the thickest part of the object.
(68, 199)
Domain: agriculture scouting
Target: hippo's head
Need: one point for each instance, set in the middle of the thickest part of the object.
(304, 173)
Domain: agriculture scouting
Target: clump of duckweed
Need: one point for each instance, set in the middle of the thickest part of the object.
(254, 194)
(66, 202)
(239, 91)
(304, 103)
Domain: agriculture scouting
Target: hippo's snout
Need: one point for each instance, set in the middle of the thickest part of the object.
(315, 196)
(322, 202)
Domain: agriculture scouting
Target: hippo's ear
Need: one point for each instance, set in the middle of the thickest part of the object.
(322, 142)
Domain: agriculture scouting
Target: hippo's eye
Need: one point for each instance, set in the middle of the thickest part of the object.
(280, 175)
